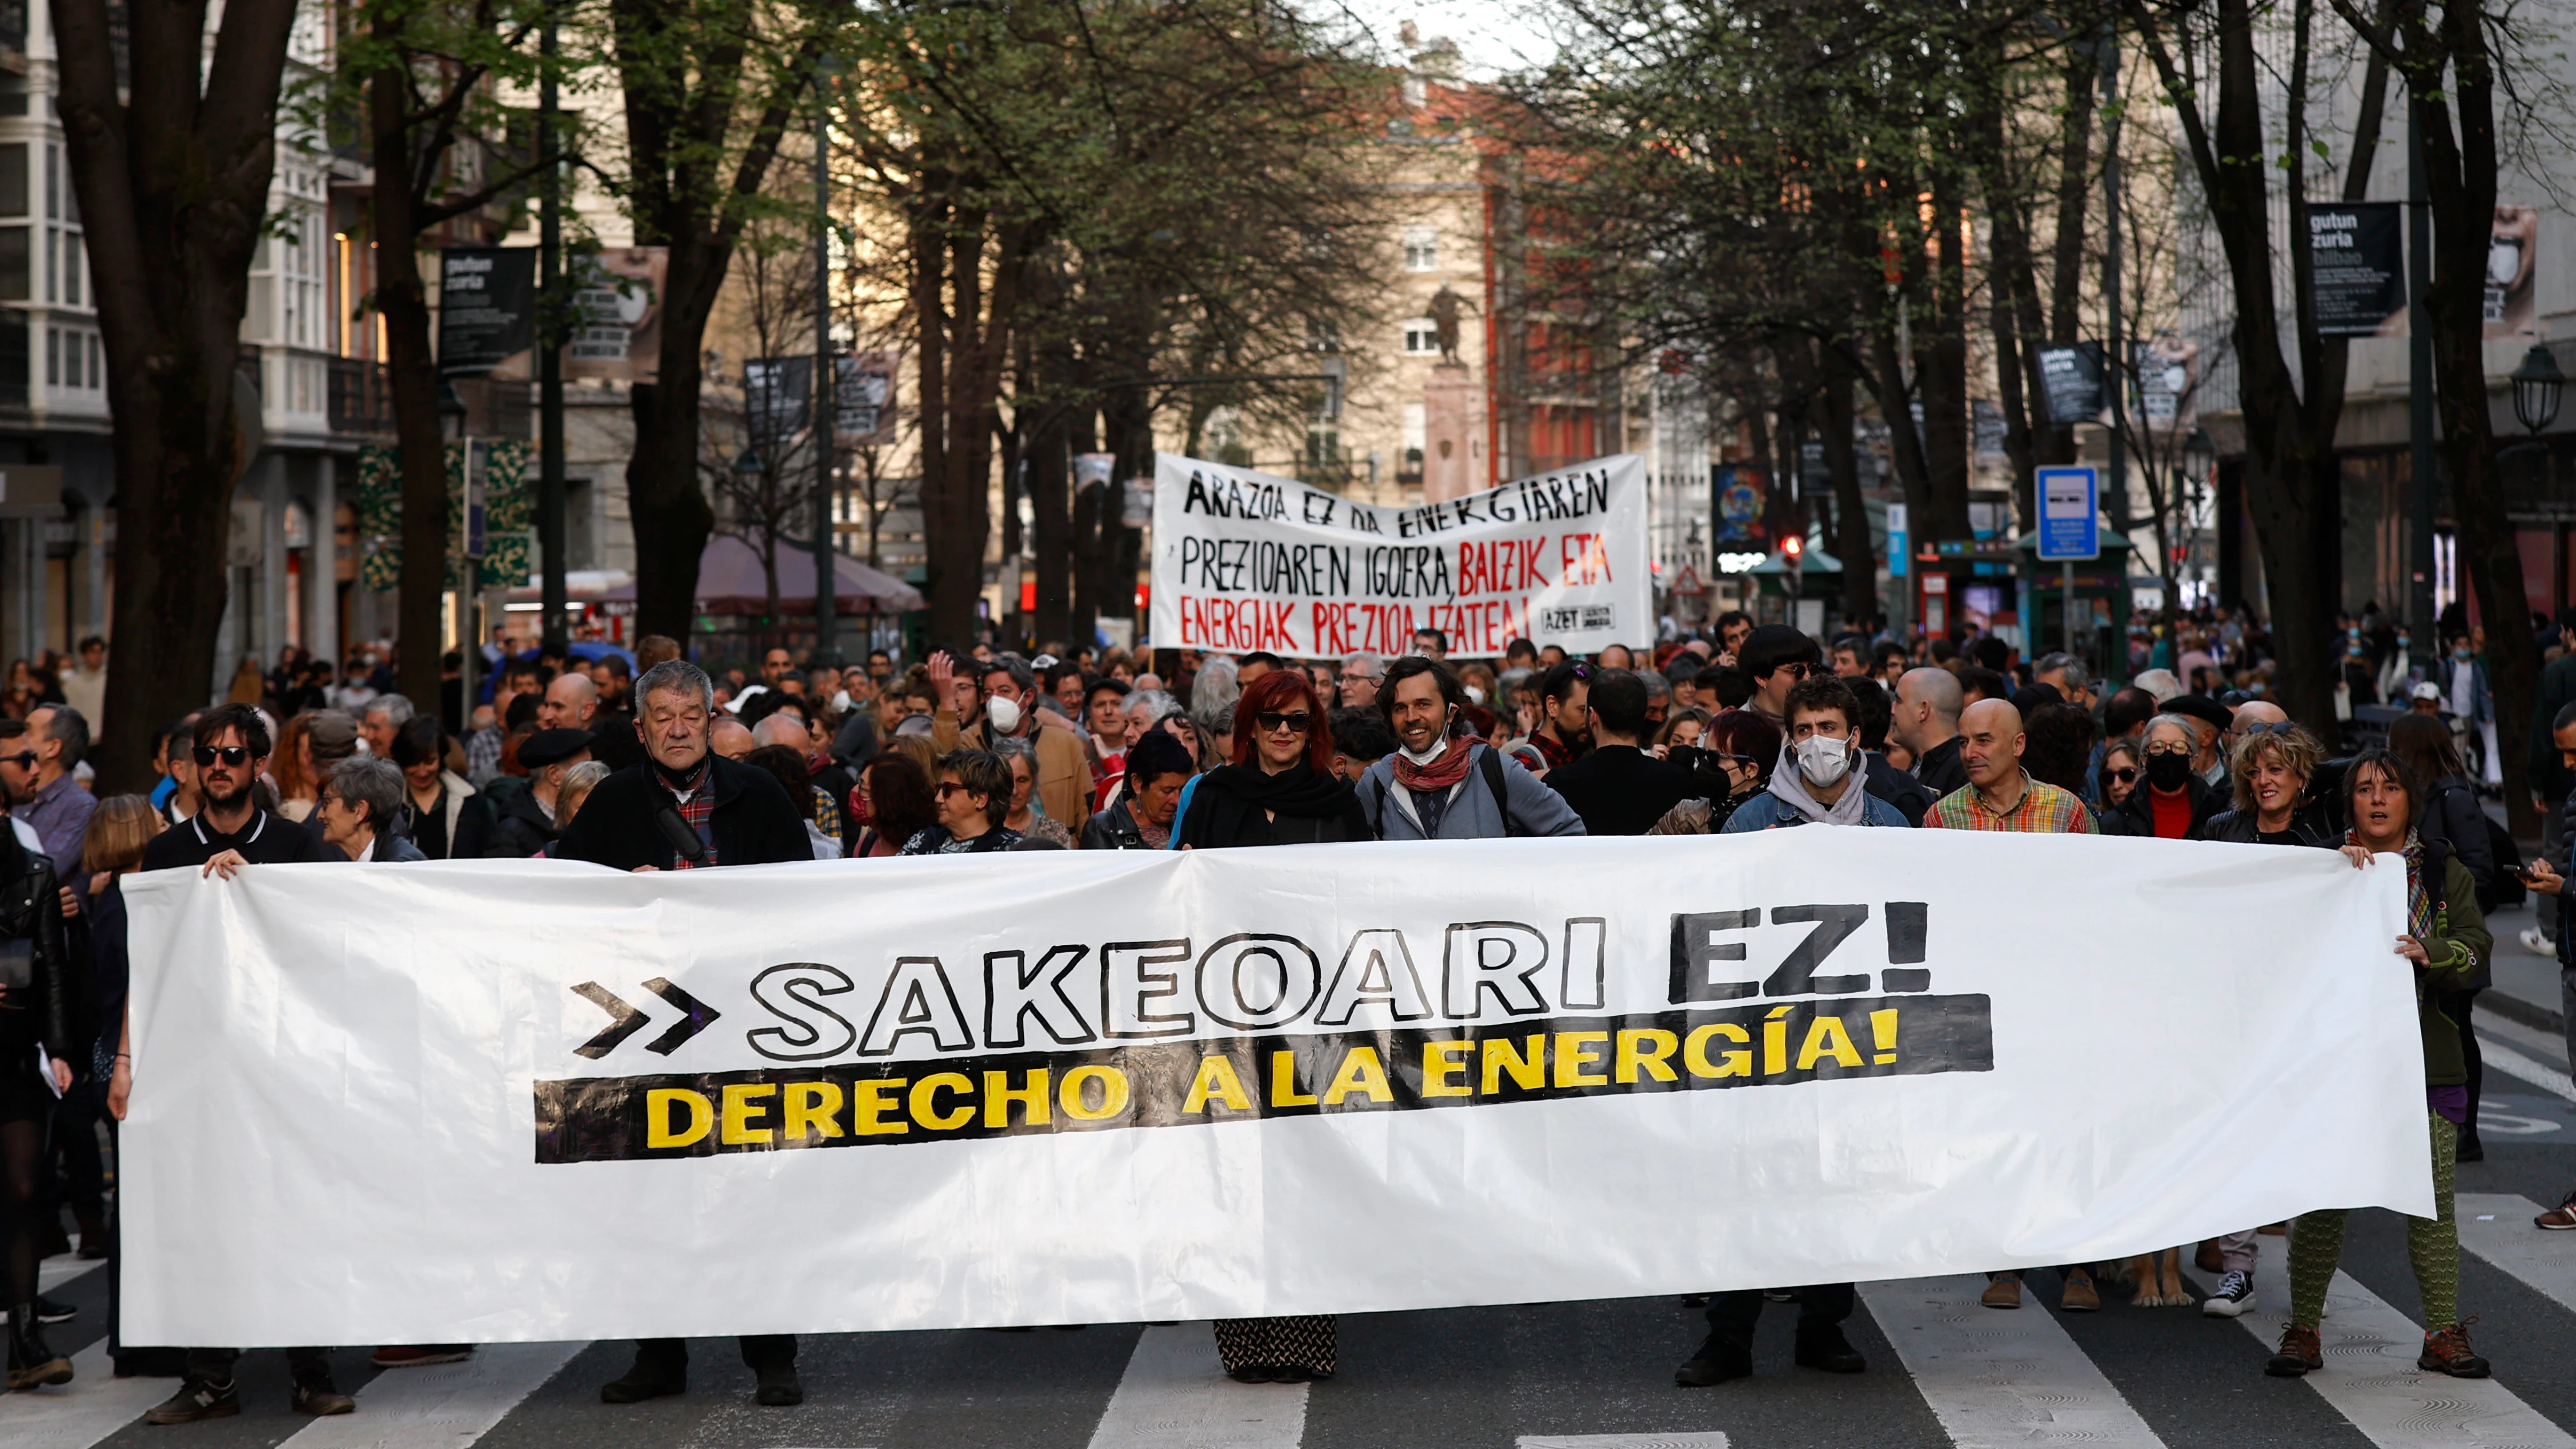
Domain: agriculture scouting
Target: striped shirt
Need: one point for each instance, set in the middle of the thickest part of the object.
(2042, 809)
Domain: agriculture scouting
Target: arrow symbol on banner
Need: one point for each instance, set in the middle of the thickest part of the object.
(700, 1017)
(624, 1020)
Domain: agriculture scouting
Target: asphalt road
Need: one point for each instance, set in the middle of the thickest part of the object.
(1942, 1370)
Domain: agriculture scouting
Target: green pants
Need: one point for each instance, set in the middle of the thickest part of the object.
(2432, 1244)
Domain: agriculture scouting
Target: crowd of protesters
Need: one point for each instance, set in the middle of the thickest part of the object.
(655, 765)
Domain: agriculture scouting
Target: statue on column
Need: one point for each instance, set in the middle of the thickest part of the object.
(1446, 306)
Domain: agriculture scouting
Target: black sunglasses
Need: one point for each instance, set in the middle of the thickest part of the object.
(1272, 719)
(2126, 777)
(24, 760)
(2269, 727)
(232, 754)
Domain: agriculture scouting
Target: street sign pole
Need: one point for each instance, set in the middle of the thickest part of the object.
(2070, 529)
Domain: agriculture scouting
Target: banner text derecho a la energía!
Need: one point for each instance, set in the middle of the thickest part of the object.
(486, 1101)
(1246, 560)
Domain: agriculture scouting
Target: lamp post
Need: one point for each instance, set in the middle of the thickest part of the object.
(2537, 387)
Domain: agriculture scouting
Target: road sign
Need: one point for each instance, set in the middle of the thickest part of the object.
(2069, 524)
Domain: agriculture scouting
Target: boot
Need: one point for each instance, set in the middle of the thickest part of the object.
(32, 1361)
(93, 1239)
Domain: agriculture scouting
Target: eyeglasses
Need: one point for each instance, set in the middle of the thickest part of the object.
(1272, 719)
(230, 754)
(2127, 776)
(2169, 748)
(2269, 727)
(946, 788)
(1795, 669)
(24, 760)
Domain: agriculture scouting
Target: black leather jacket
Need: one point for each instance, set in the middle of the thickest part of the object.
(2239, 827)
(31, 914)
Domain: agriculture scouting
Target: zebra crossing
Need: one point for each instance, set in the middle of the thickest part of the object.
(1943, 1372)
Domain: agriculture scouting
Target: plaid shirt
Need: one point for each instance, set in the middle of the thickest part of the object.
(2043, 809)
(697, 806)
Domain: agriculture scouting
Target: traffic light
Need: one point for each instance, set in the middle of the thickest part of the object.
(1793, 548)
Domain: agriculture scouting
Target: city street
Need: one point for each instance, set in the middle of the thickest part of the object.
(1942, 1369)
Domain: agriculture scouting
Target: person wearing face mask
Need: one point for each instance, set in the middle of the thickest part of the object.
(2172, 801)
(1818, 778)
(1064, 780)
(1817, 782)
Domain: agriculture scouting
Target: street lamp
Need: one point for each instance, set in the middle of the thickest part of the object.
(2537, 385)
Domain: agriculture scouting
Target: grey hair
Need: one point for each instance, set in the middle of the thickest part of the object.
(1214, 688)
(372, 781)
(676, 676)
(1022, 677)
(66, 728)
(395, 708)
(1363, 663)
(2190, 728)
(2077, 676)
(1009, 745)
(1157, 703)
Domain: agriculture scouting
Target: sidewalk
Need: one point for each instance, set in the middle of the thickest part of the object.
(2526, 986)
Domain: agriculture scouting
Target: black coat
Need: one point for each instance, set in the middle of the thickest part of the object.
(2242, 827)
(520, 828)
(1941, 770)
(754, 822)
(1622, 790)
(1897, 788)
(2136, 815)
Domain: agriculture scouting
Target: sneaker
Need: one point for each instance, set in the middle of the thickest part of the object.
(2559, 1218)
(1717, 1362)
(2536, 943)
(2079, 1296)
(49, 1311)
(2300, 1353)
(1827, 1349)
(2004, 1292)
(415, 1355)
(196, 1400)
(321, 1399)
(2235, 1294)
(2446, 1351)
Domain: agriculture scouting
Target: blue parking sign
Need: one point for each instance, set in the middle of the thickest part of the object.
(2069, 522)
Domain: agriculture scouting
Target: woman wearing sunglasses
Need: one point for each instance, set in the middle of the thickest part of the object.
(2119, 773)
(1280, 790)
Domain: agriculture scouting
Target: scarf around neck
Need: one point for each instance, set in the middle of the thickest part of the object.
(1442, 771)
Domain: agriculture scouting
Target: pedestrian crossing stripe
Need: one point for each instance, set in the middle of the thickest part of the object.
(444, 1406)
(2371, 1379)
(1997, 1379)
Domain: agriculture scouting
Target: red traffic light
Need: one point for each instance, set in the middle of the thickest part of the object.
(1793, 545)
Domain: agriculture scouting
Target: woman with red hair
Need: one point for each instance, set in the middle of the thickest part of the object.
(1281, 789)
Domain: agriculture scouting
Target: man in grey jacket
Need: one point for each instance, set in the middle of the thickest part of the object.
(1438, 786)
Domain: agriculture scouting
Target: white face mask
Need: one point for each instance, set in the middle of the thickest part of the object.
(1004, 713)
(1823, 759)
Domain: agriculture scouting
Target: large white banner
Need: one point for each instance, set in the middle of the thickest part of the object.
(1246, 560)
(488, 1102)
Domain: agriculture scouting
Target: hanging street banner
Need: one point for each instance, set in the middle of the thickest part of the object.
(2071, 384)
(494, 1102)
(487, 310)
(1246, 560)
(2355, 256)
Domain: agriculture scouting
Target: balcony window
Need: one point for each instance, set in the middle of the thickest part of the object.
(16, 269)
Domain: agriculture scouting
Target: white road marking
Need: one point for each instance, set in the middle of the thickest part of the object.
(94, 1405)
(2371, 1379)
(62, 1268)
(1175, 1395)
(2514, 1064)
(1997, 1378)
(441, 1406)
(2542, 1261)
(1709, 1440)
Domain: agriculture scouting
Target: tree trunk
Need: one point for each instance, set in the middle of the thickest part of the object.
(1851, 511)
(2460, 175)
(173, 188)
(411, 371)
